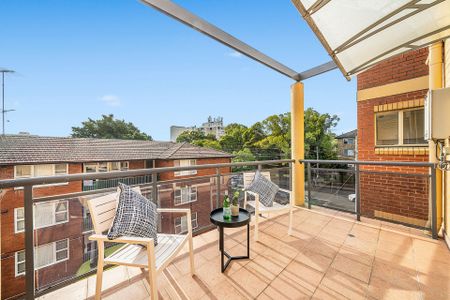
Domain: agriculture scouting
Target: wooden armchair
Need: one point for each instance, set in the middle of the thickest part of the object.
(260, 208)
(154, 258)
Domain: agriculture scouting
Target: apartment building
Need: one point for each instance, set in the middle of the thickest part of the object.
(213, 126)
(390, 101)
(346, 143)
(62, 227)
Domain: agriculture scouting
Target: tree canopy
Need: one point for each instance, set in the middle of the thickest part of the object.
(271, 138)
(109, 128)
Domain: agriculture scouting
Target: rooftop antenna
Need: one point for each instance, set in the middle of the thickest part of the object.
(4, 111)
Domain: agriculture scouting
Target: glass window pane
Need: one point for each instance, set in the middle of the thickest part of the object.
(43, 170)
(90, 168)
(413, 127)
(60, 217)
(103, 167)
(61, 255)
(20, 225)
(387, 129)
(61, 206)
(43, 214)
(60, 169)
(23, 171)
(20, 213)
(44, 255)
(21, 268)
(61, 245)
(115, 166)
(124, 166)
(21, 256)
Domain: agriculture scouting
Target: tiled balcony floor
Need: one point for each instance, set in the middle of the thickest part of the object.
(329, 256)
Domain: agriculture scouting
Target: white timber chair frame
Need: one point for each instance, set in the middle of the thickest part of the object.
(260, 208)
(154, 258)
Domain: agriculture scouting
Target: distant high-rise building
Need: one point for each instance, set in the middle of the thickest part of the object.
(213, 126)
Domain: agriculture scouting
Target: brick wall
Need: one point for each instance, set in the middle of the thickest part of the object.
(402, 67)
(392, 196)
(206, 192)
(12, 242)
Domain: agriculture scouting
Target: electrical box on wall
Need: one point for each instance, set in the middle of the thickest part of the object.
(437, 114)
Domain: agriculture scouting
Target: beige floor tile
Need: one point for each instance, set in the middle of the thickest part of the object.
(314, 260)
(193, 287)
(434, 287)
(136, 290)
(361, 245)
(75, 291)
(183, 266)
(211, 275)
(325, 293)
(323, 247)
(224, 290)
(380, 289)
(284, 288)
(303, 275)
(357, 255)
(401, 276)
(266, 267)
(344, 285)
(399, 261)
(247, 281)
(352, 267)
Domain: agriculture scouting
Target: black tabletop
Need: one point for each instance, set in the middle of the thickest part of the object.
(216, 218)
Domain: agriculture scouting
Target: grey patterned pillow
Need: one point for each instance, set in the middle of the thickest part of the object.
(135, 216)
(265, 188)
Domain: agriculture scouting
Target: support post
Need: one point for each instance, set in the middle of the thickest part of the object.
(309, 185)
(435, 65)
(357, 194)
(298, 142)
(29, 242)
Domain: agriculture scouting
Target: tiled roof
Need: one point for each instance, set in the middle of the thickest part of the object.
(37, 149)
(350, 134)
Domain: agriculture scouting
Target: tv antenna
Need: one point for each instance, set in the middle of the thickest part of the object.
(4, 111)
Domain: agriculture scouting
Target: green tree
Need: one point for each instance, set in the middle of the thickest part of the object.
(243, 156)
(189, 136)
(233, 139)
(319, 140)
(109, 128)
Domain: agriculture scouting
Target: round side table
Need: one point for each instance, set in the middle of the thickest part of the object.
(216, 217)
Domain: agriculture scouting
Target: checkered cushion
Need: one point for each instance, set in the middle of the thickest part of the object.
(135, 216)
(265, 188)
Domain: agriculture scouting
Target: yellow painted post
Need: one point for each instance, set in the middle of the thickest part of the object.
(298, 142)
(435, 82)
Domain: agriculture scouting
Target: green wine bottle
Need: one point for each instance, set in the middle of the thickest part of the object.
(226, 207)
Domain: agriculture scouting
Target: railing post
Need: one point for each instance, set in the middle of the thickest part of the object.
(309, 185)
(155, 189)
(290, 177)
(434, 232)
(29, 242)
(218, 187)
(357, 194)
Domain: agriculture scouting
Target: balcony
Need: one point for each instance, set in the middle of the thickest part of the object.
(341, 247)
(329, 256)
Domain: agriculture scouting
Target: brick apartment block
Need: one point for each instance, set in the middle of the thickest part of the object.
(82, 155)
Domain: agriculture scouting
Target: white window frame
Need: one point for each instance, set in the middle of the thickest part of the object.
(54, 223)
(185, 163)
(123, 166)
(16, 263)
(192, 190)
(16, 219)
(194, 220)
(400, 129)
(55, 260)
(33, 175)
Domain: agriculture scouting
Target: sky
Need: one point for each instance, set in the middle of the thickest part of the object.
(76, 60)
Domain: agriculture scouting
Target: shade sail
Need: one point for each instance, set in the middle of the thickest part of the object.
(360, 33)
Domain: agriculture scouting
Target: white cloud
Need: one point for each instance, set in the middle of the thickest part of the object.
(111, 100)
(235, 54)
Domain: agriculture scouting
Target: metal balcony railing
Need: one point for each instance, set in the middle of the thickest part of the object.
(320, 179)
